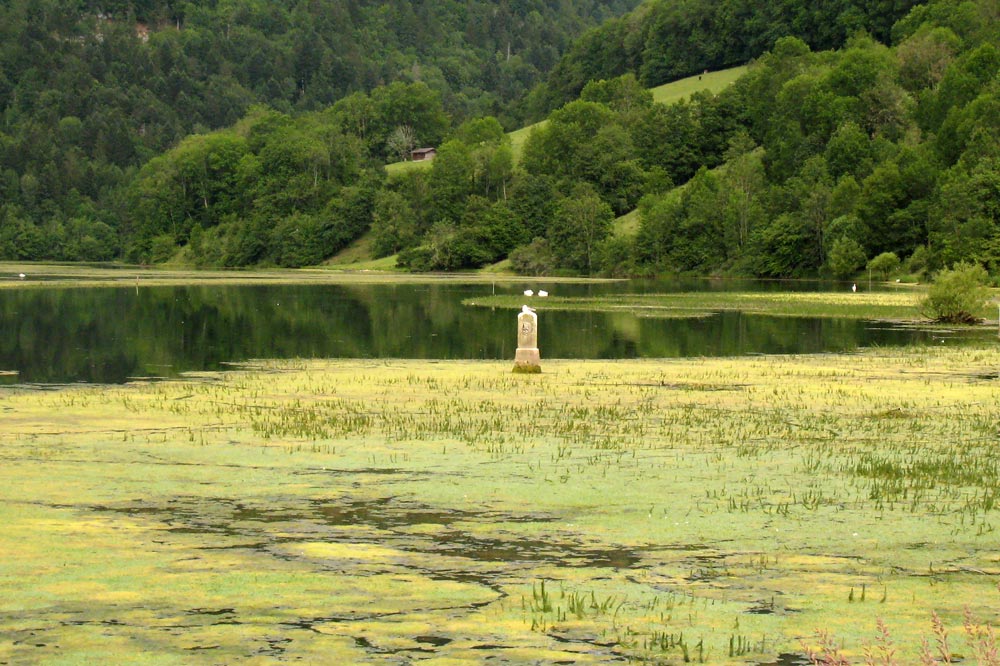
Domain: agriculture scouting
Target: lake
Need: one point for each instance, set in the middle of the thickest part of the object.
(113, 334)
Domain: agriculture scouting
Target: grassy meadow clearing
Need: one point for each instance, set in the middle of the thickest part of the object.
(705, 510)
(711, 82)
(668, 93)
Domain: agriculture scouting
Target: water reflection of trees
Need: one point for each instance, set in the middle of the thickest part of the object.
(108, 335)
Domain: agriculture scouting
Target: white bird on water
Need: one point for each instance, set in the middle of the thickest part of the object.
(528, 292)
(543, 293)
(22, 275)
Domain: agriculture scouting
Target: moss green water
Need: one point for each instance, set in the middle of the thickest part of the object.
(453, 513)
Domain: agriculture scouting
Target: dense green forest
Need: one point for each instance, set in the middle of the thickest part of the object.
(92, 90)
(848, 155)
(665, 40)
(814, 162)
(859, 132)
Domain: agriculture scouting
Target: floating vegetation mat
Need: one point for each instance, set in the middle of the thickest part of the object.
(701, 510)
(900, 305)
(63, 276)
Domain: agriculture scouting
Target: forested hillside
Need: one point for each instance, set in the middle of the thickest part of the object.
(844, 156)
(813, 162)
(664, 40)
(92, 90)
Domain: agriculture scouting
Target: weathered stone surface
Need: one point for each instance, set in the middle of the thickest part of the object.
(527, 358)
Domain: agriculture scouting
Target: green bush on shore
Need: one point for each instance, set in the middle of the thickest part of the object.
(958, 295)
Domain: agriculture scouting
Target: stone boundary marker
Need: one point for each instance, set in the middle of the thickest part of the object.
(527, 359)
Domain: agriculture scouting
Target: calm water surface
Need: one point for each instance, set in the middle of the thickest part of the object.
(114, 334)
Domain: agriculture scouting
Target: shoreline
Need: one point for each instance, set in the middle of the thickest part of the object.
(51, 275)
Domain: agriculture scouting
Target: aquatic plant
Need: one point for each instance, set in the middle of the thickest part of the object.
(599, 511)
(980, 639)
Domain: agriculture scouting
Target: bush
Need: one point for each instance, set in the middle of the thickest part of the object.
(884, 264)
(918, 261)
(295, 241)
(958, 296)
(533, 259)
(161, 249)
(417, 259)
(616, 257)
(845, 257)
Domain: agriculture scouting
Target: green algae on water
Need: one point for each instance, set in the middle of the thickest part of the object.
(369, 511)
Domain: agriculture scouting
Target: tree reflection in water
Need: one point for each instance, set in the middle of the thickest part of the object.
(108, 335)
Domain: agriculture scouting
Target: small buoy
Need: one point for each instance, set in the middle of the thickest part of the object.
(528, 292)
(543, 293)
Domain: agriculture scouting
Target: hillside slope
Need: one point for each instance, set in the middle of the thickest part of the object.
(668, 93)
(663, 40)
(92, 90)
(831, 159)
